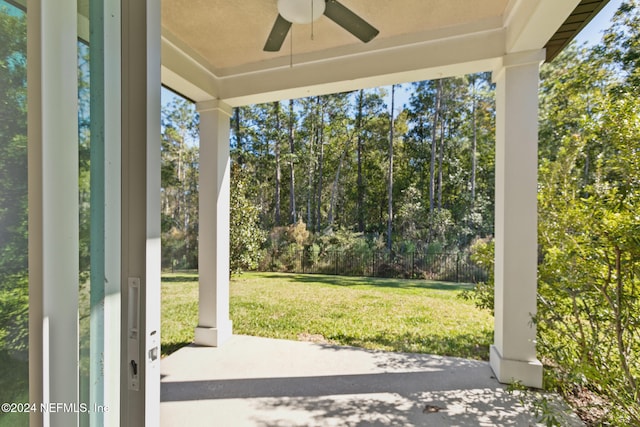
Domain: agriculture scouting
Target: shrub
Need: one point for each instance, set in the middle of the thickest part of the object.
(482, 294)
(246, 237)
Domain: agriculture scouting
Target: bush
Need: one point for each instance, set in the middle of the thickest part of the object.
(14, 315)
(246, 237)
(482, 294)
(588, 317)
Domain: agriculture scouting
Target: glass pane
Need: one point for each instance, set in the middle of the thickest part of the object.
(84, 187)
(92, 208)
(97, 214)
(14, 284)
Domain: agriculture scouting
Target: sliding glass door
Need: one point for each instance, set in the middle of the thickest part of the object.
(99, 188)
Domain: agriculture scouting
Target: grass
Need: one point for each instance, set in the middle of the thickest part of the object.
(383, 314)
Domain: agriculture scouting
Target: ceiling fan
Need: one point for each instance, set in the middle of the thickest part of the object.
(307, 11)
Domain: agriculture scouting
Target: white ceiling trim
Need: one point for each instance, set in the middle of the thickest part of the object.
(421, 61)
(182, 73)
(531, 23)
(455, 55)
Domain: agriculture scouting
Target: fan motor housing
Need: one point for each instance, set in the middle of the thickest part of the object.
(301, 11)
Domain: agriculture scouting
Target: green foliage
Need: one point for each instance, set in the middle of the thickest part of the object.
(621, 44)
(246, 237)
(482, 294)
(588, 282)
(14, 314)
(341, 240)
(588, 315)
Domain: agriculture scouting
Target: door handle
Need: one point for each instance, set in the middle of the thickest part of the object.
(133, 332)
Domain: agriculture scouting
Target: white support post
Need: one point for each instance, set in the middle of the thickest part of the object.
(53, 209)
(513, 354)
(140, 271)
(214, 326)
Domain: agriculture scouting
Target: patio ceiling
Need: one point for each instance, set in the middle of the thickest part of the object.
(228, 36)
(213, 49)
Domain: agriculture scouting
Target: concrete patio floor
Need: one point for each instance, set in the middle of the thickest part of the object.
(263, 382)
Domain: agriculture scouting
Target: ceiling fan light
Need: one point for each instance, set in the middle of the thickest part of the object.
(301, 11)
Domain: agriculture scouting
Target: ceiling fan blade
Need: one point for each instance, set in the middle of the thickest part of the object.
(278, 34)
(350, 21)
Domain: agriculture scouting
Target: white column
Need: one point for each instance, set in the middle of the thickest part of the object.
(513, 354)
(140, 262)
(214, 326)
(53, 208)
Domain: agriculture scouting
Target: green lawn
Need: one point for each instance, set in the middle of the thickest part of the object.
(385, 314)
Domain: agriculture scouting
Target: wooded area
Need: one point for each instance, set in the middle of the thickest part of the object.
(432, 186)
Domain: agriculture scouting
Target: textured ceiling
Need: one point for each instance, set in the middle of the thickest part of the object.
(230, 34)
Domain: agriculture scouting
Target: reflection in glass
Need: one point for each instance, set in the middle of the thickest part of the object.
(14, 283)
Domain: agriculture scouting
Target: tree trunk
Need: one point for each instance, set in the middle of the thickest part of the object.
(360, 182)
(432, 166)
(292, 176)
(334, 190)
(474, 144)
(390, 189)
(313, 137)
(276, 149)
(441, 153)
(320, 165)
(238, 134)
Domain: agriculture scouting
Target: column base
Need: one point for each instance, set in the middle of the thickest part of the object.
(507, 371)
(213, 337)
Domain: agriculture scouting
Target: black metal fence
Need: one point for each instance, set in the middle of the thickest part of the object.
(447, 267)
